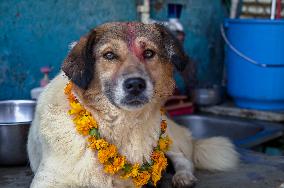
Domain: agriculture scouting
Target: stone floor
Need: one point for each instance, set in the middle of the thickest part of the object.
(255, 171)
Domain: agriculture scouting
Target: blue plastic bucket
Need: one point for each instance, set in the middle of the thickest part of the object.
(255, 62)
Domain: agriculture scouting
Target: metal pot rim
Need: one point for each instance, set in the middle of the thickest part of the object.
(27, 123)
(18, 101)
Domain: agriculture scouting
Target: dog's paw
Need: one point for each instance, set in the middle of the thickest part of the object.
(183, 179)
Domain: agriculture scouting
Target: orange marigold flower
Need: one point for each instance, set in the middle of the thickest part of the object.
(156, 174)
(68, 88)
(119, 162)
(105, 154)
(116, 165)
(142, 178)
(84, 124)
(101, 144)
(160, 164)
(82, 130)
(163, 126)
(68, 92)
(72, 98)
(156, 155)
(109, 168)
(92, 141)
(164, 143)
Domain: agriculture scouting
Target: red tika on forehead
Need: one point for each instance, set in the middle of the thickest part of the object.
(131, 36)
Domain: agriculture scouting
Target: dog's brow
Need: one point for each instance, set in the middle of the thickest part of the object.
(131, 36)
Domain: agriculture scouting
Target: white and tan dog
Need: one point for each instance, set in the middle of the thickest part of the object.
(122, 73)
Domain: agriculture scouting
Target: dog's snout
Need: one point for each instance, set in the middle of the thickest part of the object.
(134, 86)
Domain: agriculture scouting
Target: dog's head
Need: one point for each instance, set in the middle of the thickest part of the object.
(131, 62)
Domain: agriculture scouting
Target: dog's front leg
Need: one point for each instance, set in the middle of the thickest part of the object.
(51, 175)
(46, 180)
(183, 176)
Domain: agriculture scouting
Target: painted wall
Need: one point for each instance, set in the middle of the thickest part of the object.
(201, 20)
(37, 33)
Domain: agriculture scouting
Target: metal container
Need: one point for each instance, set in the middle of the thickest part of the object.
(244, 133)
(15, 119)
(207, 96)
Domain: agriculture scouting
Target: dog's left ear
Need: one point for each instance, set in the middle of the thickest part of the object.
(174, 48)
(79, 64)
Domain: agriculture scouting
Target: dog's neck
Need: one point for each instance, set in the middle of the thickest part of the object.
(135, 133)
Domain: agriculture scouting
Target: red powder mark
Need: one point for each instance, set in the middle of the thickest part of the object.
(131, 36)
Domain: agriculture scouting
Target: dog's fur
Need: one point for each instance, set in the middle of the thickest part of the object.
(59, 156)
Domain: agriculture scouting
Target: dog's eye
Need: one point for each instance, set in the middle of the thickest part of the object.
(148, 54)
(109, 56)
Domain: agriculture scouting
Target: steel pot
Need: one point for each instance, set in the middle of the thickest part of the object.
(15, 119)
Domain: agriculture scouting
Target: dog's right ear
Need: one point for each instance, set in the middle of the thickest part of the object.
(174, 48)
(79, 64)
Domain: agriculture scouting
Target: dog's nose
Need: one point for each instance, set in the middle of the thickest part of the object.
(134, 86)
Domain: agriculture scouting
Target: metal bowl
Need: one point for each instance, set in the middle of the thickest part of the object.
(207, 96)
(15, 119)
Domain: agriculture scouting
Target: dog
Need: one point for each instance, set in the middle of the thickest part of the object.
(122, 73)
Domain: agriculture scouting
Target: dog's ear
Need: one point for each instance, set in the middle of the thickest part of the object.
(174, 48)
(79, 64)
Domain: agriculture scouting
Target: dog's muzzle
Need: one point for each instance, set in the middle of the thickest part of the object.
(130, 91)
(134, 86)
(135, 92)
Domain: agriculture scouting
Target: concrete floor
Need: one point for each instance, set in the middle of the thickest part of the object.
(255, 171)
(15, 177)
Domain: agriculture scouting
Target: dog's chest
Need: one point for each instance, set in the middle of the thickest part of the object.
(134, 138)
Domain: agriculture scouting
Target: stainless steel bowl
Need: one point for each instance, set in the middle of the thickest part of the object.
(15, 119)
(207, 96)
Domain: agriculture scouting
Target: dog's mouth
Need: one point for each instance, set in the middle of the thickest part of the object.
(134, 102)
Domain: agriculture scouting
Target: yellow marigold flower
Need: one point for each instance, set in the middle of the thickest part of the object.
(142, 178)
(156, 174)
(157, 169)
(82, 130)
(164, 143)
(160, 164)
(133, 172)
(117, 164)
(76, 108)
(109, 168)
(90, 121)
(83, 125)
(163, 126)
(100, 144)
(105, 154)
(92, 142)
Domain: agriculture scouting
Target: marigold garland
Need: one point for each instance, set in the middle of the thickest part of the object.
(108, 155)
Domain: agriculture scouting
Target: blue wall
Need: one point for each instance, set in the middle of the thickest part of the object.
(201, 20)
(37, 33)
